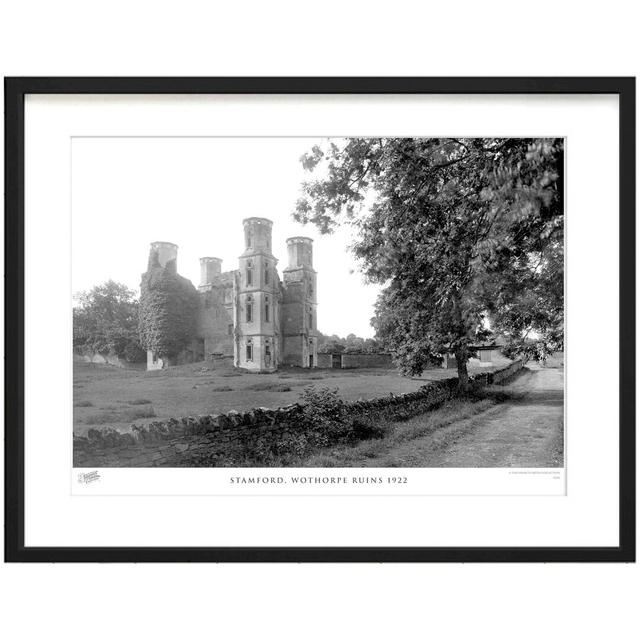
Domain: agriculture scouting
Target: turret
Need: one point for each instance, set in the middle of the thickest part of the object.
(165, 255)
(210, 269)
(257, 235)
(300, 251)
(300, 270)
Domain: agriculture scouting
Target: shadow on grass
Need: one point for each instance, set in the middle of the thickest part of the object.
(111, 417)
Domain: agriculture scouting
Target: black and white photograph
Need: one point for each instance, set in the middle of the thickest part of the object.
(320, 320)
(303, 320)
(302, 302)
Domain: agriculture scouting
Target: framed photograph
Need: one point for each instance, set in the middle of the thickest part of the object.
(320, 319)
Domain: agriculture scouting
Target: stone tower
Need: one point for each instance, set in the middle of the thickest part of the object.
(165, 255)
(210, 269)
(256, 326)
(299, 323)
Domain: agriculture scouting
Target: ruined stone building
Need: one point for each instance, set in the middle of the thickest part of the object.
(249, 313)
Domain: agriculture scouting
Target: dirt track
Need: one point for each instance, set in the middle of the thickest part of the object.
(525, 432)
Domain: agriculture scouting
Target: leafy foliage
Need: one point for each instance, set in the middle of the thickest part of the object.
(105, 321)
(350, 344)
(461, 232)
(168, 310)
(326, 419)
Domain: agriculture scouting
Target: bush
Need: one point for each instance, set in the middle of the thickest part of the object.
(133, 351)
(83, 403)
(140, 401)
(327, 421)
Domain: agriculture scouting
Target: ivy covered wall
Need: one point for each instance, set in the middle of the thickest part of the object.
(168, 309)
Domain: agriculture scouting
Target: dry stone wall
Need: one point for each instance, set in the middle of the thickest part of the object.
(179, 441)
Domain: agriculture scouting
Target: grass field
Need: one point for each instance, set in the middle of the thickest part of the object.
(107, 396)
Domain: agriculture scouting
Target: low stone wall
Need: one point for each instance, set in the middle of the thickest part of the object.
(177, 441)
(325, 361)
(356, 360)
(505, 374)
(364, 360)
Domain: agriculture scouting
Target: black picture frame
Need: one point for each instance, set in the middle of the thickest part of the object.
(15, 91)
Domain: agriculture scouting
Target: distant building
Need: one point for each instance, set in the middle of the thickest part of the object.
(483, 355)
(250, 314)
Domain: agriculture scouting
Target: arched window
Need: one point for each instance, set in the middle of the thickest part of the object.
(249, 353)
(249, 309)
(267, 273)
(267, 310)
(248, 238)
(310, 319)
(249, 273)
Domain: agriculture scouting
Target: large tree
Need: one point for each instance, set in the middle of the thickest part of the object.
(105, 321)
(460, 232)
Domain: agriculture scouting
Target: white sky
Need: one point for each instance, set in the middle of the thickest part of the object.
(129, 192)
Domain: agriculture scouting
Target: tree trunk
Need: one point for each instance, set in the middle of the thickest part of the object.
(463, 374)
